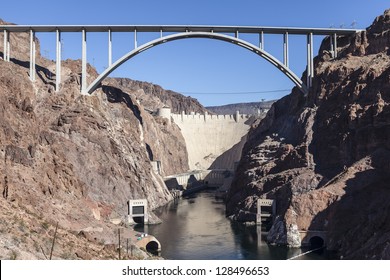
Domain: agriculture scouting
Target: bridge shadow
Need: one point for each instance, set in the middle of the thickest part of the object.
(44, 74)
(116, 95)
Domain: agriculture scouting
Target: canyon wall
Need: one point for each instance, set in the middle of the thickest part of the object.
(74, 160)
(325, 158)
(147, 91)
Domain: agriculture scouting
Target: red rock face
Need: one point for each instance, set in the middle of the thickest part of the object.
(74, 159)
(161, 97)
(325, 158)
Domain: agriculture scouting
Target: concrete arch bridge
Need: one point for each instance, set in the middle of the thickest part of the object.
(229, 34)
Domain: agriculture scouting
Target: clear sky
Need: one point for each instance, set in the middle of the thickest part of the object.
(214, 72)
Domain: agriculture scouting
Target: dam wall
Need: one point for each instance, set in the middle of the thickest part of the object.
(213, 141)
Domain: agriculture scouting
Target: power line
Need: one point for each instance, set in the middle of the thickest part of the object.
(237, 92)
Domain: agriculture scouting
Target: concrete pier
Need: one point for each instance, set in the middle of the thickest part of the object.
(58, 60)
(84, 63)
(32, 55)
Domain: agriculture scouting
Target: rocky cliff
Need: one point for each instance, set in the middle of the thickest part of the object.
(161, 97)
(163, 140)
(325, 157)
(74, 159)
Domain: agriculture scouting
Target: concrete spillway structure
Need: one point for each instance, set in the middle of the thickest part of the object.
(213, 141)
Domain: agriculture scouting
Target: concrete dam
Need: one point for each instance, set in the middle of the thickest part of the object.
(213, 141)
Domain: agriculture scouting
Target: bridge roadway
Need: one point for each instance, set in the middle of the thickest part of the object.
(179, 32)
(179, 28)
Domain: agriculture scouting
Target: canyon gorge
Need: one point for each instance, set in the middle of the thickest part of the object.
(74, 161)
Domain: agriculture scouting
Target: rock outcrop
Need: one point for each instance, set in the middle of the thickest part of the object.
(325, 158)
(161, 97)
(163, 140)
(74, 159)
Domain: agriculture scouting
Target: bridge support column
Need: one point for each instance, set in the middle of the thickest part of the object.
(5, 45)
(261, 40)
(333, 45)
(58, 60)
(285, 49)
(8, 47)
(135, 39)
(84, 63)
(109, 47)
(310, 63)
(32, 55)
(6, 53)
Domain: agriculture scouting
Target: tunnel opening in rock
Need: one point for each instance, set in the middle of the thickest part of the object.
(316, 242)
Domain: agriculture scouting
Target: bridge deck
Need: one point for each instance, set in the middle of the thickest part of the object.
(178, 28)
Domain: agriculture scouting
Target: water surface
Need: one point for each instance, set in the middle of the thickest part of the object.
(195, 227)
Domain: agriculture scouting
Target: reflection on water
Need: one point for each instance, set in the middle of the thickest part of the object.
(196, 228)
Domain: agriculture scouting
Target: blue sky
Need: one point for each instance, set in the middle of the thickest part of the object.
(197, 67)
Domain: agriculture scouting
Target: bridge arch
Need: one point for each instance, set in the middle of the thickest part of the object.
(210, 35)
